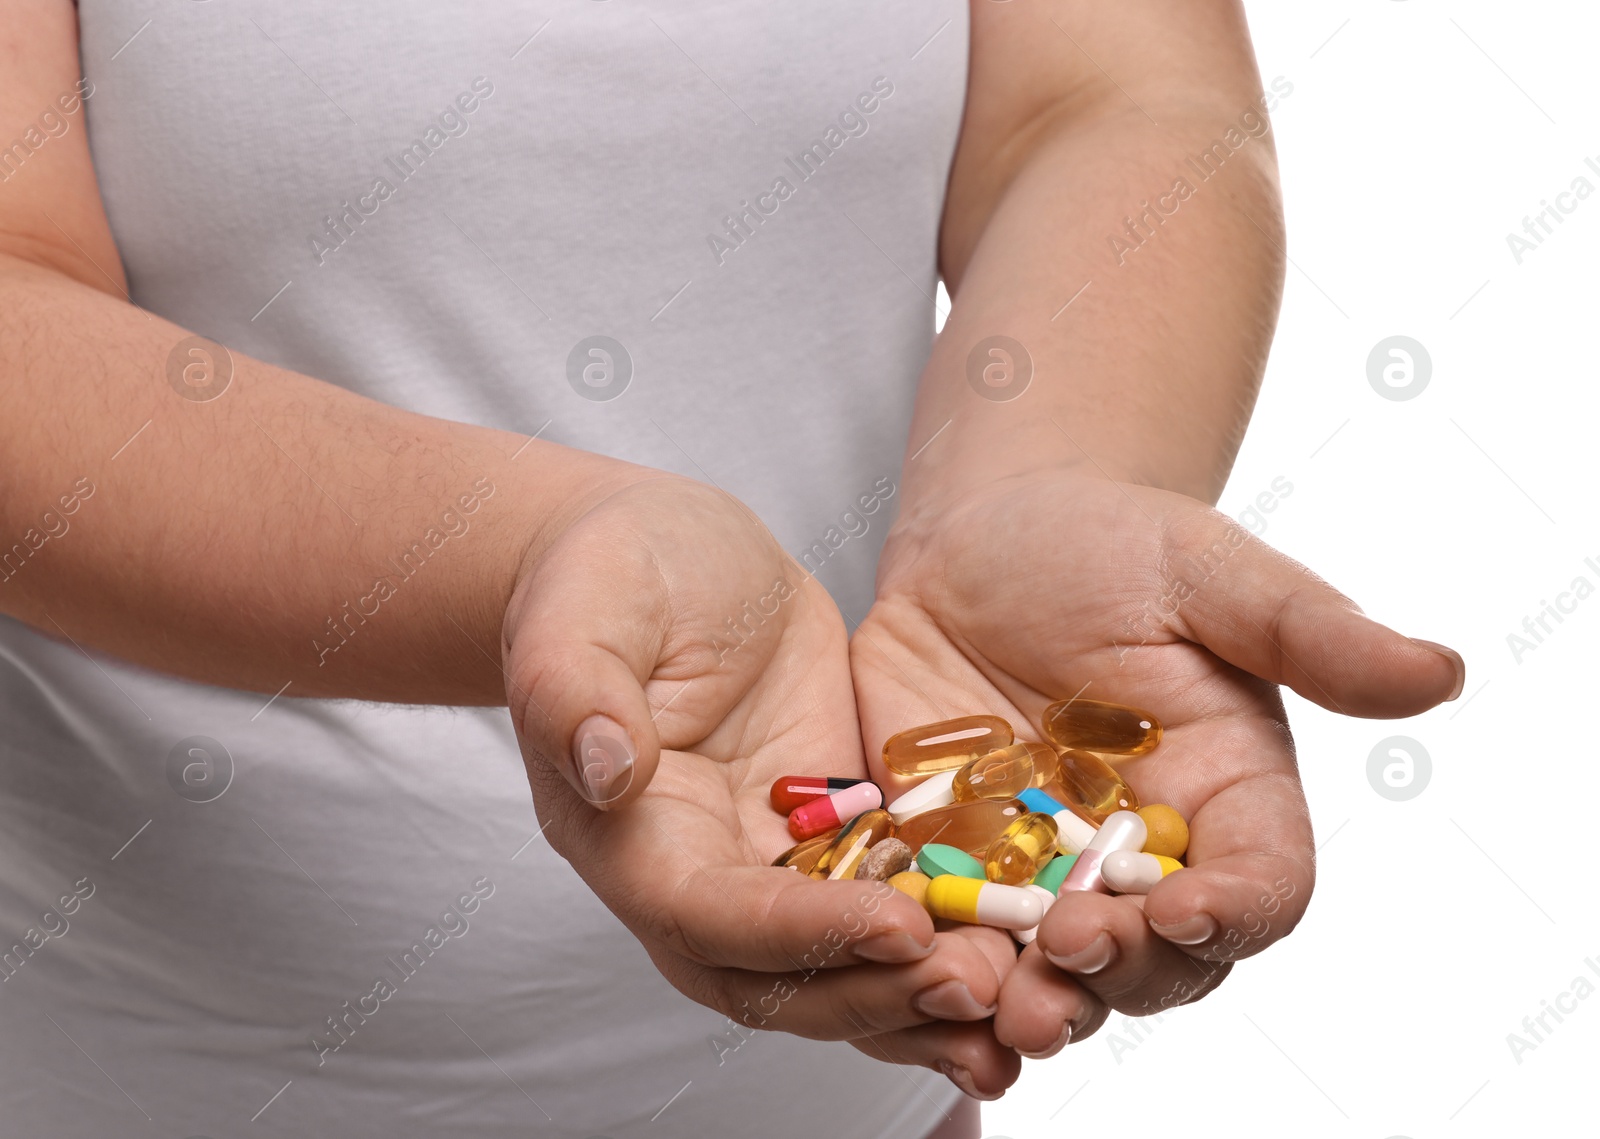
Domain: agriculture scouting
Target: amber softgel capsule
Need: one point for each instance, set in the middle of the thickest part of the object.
(1021, 851)
(971, 827)
(945, 745)
(1094, 725)
(1091, 786)
(1000, 774)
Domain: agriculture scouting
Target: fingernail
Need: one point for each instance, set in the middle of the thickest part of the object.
(950, 1000)
(892, 948)
(1455, 660)
(1061, 1042)
(962, 1079)
(1091, 959)
(1195, 931)
(602, 757)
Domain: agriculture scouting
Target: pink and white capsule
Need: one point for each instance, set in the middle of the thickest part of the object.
(1122, 830)
(1046, 899)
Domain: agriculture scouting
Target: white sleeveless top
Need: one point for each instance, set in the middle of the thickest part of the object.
(227, 916)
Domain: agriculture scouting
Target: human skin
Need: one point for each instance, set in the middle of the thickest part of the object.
(1062, 543)
(219, 541)
(679, 850)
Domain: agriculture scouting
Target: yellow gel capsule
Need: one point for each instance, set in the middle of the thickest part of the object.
(946, 745)
(1001, 774)
(1021, 851)
(913, 885)
(803, 857)
(851, 844)
(1166, 832)
(971, 827)
(1094, 725)
(1091, 787)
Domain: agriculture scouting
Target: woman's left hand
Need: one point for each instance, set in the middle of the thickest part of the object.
(1054, 585)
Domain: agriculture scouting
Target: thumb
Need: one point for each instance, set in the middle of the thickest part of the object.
(1269, 615)
(583, 633)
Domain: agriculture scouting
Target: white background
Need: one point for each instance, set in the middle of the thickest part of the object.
(1416, 139)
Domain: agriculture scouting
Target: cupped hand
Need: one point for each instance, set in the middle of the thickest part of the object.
(665, 663)
(1055, 585)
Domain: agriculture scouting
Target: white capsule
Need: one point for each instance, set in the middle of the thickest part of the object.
(1074, 834)
(932, 793)
(1046, 899)
(1131, 871)
(1122, 830)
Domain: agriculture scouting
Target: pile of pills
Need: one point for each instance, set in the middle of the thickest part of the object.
(996, 829)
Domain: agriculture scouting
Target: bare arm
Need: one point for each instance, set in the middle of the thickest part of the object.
(221, 542)
(1080, 118)
(1053, 540)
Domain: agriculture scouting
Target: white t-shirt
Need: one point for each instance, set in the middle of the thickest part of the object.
(224, 914)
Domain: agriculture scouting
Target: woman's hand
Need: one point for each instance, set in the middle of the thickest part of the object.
(1050, 585)
(665, 663)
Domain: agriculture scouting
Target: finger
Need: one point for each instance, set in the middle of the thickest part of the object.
(1042, 1009)
(1106, 945)
(954, 983)
(583, 634)
(1251, 849)
(677, 885)
(1228, 909)
(997, 945)
(967, 1054)
(1269, 615)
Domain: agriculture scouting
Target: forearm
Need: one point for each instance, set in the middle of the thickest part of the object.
(1146, 350)
(284, 532)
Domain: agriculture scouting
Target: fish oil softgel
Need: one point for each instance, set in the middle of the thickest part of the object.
(1094, 725)
(1000, 774)
(1021, 851)
(1074, 832)
(948, 744)
(1091, 786)
(803, 856)
(1046, 762)
(966, 826)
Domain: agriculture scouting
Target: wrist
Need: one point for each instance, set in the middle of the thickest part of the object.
(541, 493)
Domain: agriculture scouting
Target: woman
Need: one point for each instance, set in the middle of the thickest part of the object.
(367, 371)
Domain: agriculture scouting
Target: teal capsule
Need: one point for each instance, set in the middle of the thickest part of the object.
(1055, 872)
(935, 859)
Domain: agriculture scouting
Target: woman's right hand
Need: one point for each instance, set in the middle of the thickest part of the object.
(666, 661)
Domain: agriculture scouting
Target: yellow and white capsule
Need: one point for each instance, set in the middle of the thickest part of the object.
(983, 903)
(1046, 899)
(1135, 872)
